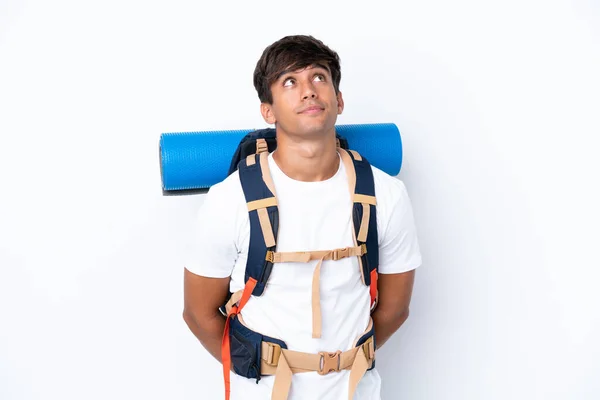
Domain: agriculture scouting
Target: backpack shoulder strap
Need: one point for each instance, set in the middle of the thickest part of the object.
(259, 191)
(364, 215)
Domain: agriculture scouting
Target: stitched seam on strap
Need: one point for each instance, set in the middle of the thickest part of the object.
(363, 198)
(263, 203)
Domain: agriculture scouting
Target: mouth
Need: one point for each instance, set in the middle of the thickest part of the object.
(312, 110)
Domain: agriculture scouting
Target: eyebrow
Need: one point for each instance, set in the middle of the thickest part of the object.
(315, 65)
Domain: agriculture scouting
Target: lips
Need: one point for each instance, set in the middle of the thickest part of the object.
(311, 109)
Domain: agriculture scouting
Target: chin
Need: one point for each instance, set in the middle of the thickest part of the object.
(315, 128)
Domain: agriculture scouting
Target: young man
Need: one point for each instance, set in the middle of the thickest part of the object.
(297, 79)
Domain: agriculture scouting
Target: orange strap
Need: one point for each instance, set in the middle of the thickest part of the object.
(226, 359)
(373, 287)
(225, 345)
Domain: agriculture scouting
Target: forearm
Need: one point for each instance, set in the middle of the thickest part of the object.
(386, 323)
(209, 332)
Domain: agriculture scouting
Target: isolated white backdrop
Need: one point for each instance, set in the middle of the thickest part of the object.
(498, 105)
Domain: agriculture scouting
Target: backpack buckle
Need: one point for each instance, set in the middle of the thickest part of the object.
(338, 254)
(329, 362)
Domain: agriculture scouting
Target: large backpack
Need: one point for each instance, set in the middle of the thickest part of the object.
(242, 346)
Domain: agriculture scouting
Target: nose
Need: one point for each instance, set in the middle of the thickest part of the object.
(308, 92)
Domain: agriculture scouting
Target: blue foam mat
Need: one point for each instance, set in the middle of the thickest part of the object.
(198, 160)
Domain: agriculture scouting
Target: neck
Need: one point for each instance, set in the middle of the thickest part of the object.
(305, 160)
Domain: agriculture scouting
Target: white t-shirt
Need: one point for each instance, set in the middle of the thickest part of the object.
(312, 216)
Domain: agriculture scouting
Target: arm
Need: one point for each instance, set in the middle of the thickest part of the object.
(399, 256)
(395, 291)
(210, 259)
(202, 298)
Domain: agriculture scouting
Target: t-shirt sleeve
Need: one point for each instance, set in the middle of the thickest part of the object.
(399, 246)
(212, 250)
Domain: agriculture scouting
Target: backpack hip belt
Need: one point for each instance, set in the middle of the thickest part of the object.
(254, 355)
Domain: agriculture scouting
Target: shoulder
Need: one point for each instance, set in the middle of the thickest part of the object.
(223, 214)
(394, 208)
(228, 190)
(224, 199)
(389, 190)
(217, 230)
(399, 249)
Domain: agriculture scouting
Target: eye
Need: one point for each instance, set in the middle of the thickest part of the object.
(289, 82)
(320, 77)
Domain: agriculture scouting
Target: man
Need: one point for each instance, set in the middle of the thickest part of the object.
(297, 79)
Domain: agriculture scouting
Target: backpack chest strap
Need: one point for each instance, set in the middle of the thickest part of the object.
(308, 256)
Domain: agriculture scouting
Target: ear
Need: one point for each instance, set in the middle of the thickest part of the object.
(340, 101)
(266, 110)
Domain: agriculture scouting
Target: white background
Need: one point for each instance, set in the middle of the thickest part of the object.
(498, 105)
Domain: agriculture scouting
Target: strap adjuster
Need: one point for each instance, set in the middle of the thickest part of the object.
(329, 362)
(363, 249)
(270, 257)
(261, 146)
(368, 348)
(273, 354)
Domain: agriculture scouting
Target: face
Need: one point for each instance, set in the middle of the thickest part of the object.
(304, 103)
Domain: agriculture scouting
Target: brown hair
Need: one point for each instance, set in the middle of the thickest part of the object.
(289, 54)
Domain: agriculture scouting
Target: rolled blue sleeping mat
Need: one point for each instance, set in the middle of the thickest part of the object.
(198, 160)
